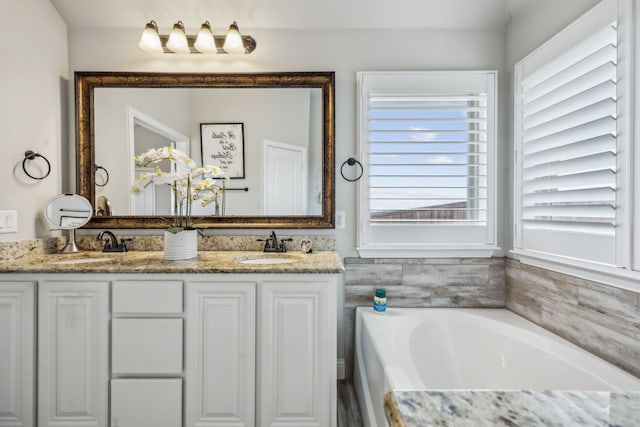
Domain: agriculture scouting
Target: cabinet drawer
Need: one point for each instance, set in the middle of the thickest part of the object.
(146, 402)
(146, 347)
(145, 297)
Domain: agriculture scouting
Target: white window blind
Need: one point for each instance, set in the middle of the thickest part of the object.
(427, 143)
(428, 159)
(567, 147)
(569, 139)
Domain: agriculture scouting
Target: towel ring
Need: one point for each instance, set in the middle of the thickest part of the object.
(351, 162)
(106, 172)
(31, 155)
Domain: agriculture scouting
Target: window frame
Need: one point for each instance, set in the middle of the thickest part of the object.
(435, 240)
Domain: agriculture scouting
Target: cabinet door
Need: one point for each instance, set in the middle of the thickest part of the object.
(73, 354)
(297, 354)
(17, 354)
(220, 354)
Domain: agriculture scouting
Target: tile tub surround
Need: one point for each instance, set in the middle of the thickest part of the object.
(429, 282)
(602, 319)
(516, 407)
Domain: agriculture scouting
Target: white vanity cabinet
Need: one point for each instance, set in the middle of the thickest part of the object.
(17, 365)
(297, 353)
(168, 350)
(73, 353)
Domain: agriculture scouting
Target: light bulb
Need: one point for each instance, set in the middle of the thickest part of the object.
(177, 39)
(205, 43)
(233, 42)
(150, 40)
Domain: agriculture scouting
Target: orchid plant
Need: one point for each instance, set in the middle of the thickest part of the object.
(188, 183)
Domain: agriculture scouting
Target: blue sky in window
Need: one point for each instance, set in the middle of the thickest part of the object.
(419, 157)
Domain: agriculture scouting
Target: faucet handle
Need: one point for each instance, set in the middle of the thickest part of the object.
(283, 244)
(123, 244)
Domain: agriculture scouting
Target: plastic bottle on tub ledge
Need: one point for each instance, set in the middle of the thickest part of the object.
(380, 301)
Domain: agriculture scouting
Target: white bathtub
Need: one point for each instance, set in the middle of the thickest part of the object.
(471, 349)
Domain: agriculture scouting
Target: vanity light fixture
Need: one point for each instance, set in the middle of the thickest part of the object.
(205, 42)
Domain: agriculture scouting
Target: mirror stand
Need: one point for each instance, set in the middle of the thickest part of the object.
(71, 247)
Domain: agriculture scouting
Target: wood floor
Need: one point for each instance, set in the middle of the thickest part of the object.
(348, 408)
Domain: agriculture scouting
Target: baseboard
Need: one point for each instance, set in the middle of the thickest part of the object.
(341, 369)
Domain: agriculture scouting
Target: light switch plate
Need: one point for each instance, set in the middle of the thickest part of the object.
(340, 220)
(8, 221)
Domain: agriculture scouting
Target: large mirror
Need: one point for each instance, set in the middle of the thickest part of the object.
(271, 134)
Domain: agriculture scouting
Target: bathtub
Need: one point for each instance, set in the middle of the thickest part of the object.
(471, 349)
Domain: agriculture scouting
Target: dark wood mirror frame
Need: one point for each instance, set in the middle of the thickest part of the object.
(86, 82)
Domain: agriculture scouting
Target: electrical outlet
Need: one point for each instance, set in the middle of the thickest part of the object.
(340, 220)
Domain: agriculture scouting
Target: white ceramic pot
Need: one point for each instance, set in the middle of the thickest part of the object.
(182, 245)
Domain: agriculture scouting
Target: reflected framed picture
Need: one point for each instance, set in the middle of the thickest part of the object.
(223, 146)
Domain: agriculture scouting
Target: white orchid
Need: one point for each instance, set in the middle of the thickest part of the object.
(188, 182)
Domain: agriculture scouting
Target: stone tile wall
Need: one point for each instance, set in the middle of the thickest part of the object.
(432, 282)
(602, 319)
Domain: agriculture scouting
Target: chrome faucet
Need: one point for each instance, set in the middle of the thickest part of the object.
(111, 242)
(272, 244)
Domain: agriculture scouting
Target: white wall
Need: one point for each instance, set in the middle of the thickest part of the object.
(33, 110)
(344, 52)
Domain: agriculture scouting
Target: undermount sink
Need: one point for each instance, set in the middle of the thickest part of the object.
(266, 260)
(80, 261)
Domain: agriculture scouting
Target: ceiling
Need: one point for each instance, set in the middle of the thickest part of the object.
(291, 14)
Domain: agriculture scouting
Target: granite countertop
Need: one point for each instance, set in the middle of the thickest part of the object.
(462, 408)
(153, 262)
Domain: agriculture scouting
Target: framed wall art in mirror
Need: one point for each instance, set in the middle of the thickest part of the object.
(284, 162)
(223, 145)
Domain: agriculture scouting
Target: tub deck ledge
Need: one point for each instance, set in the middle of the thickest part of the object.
(514, 407)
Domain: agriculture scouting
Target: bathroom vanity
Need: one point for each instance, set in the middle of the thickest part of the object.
(228, 339)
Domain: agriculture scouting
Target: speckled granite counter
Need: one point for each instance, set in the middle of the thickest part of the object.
(153, 262)
(463, 408)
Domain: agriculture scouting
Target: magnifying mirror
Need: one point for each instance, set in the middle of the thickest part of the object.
(68, 212)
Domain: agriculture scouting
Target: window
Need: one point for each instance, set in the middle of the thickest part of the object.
(427, 142)
(572, 145)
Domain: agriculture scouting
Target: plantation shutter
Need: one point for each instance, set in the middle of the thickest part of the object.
(427, 144)
(428, 159)
(568, 144)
